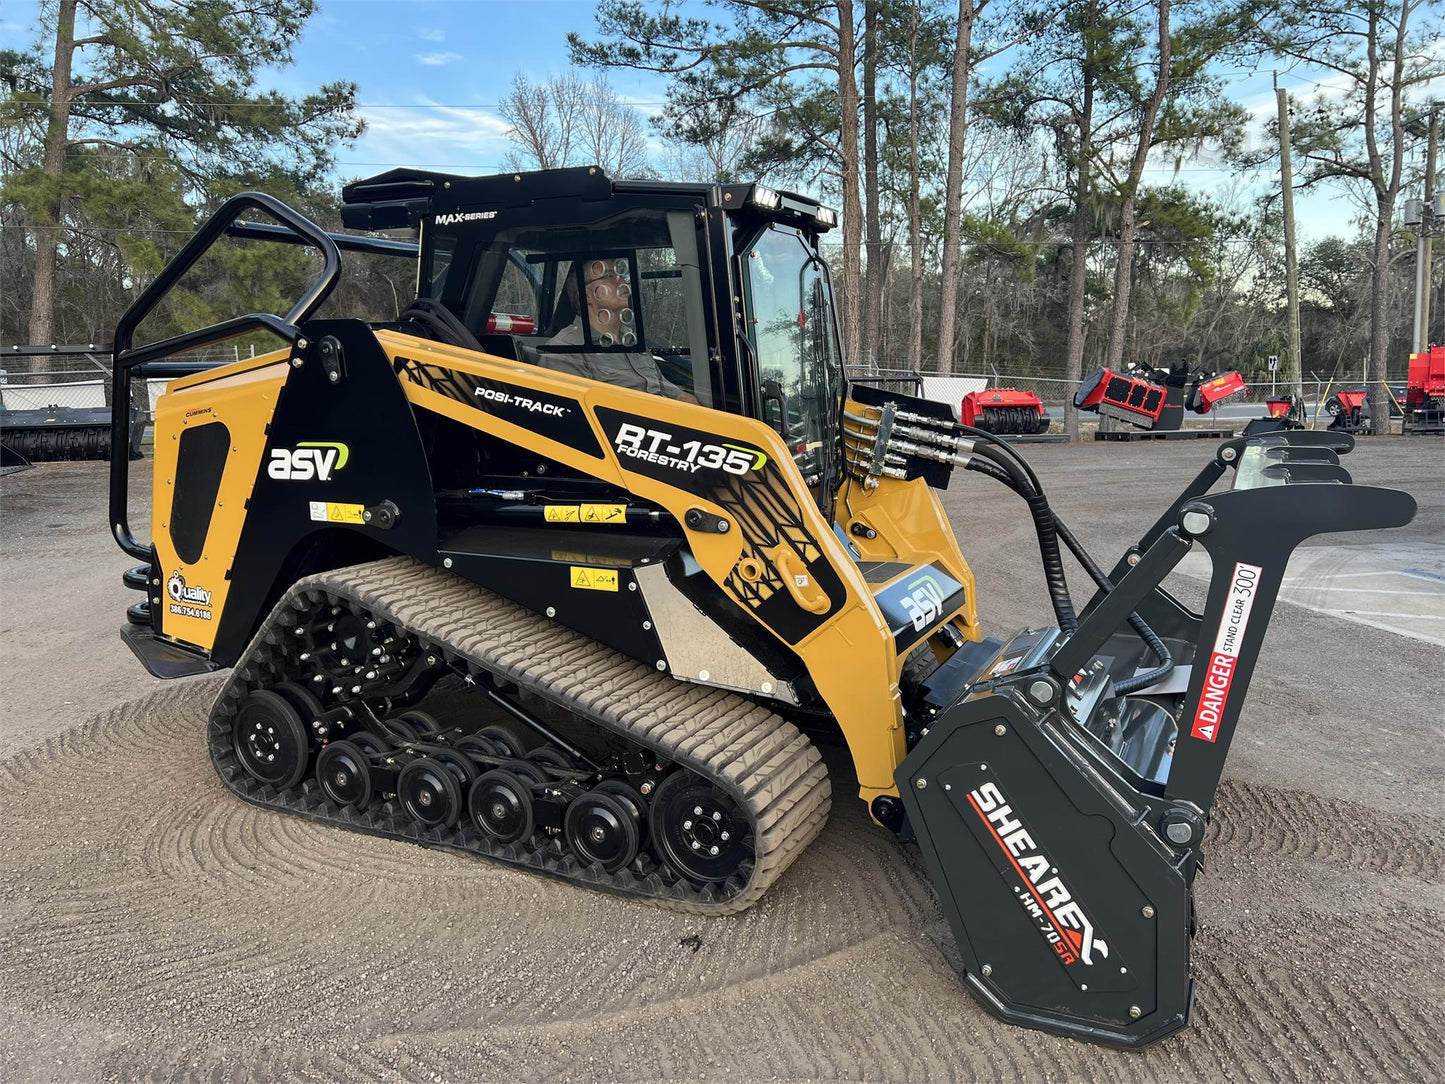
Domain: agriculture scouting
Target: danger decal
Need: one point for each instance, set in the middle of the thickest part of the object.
(1224, 659)
(1041, 890)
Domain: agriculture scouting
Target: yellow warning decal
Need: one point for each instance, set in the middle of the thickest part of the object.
(333, 512)
(594, 579)
(585, 513)
(604, 513)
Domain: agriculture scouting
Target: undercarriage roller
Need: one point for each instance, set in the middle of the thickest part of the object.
(602, 829)
(430, 792)
(344, 773)
(632, 798)
(500, 804)
(504, 738)
(550, 757)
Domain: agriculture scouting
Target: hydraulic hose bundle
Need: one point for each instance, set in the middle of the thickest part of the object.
(881, 446)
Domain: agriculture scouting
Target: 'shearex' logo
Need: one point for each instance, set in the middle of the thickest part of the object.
(1060, 918)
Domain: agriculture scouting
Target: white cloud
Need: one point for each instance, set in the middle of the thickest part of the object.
(437, 60)
(426, 134)
(429, 33)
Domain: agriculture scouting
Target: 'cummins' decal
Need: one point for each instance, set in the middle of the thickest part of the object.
(1224, 660)
(556, 417)
(187, 601)
(1042, 892)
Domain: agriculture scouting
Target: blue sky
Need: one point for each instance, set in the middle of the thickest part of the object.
(430, 74)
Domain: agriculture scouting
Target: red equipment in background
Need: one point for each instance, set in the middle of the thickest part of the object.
(1210, 393)
(1424, 404)
(1155, 399)
(1004, 411)
(1116, 395)
(1349, 409)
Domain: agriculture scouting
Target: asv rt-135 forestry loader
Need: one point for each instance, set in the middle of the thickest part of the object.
(476, 598)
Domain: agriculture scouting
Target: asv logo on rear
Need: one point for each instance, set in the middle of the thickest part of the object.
(309, 459)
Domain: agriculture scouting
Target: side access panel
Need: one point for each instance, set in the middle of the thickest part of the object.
(1069, 916)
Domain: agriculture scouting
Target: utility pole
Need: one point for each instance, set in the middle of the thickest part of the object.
(1422, 245)
(1292, 361)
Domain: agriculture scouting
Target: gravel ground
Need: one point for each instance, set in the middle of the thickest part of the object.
(154, 927)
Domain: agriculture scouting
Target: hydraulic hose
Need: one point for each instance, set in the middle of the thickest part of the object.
(1020, 480)
(989, 466)
(1138, 624)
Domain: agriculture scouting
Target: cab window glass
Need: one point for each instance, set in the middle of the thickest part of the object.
(791, 327)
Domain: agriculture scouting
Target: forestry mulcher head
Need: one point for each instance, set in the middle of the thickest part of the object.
(1150, 398)
(1005, 411)
(562, 568)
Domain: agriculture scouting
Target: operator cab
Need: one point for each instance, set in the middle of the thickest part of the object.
(718, 290)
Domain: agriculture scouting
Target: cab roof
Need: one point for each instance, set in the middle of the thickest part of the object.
(402, 198)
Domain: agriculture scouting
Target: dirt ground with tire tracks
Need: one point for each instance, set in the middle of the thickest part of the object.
(154, 927)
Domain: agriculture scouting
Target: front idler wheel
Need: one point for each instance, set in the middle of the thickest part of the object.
(602, 830)
(698, 830)
(344, 774)
(501, 806)
(429, 793)
(270, 739)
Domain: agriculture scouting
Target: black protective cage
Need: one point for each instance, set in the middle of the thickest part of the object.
(151, 359)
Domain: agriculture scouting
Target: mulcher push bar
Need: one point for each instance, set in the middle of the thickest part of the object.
(1066, 877)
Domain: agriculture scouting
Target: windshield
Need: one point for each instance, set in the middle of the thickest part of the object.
(618, 299)
(790, 323)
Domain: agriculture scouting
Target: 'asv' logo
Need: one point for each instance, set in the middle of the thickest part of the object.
(309, 459)
(924, 602)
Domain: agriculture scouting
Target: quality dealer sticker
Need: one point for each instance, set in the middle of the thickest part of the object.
(1224, 659)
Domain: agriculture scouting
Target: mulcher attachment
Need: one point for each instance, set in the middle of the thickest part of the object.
(1005, 411)
(1064, 857)
(59, 433)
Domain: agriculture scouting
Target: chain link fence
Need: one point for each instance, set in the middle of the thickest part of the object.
(28, 383)
(1234, 412)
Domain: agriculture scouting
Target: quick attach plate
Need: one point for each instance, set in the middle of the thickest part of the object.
(1070, 917)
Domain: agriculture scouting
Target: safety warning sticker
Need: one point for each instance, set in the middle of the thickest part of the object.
(332, 512)
(1224, 660)
(586, 513)
(594, 579)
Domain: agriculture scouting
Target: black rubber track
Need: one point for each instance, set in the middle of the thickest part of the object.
(768, 767)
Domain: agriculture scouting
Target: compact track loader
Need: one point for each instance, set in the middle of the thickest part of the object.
(476, 598)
